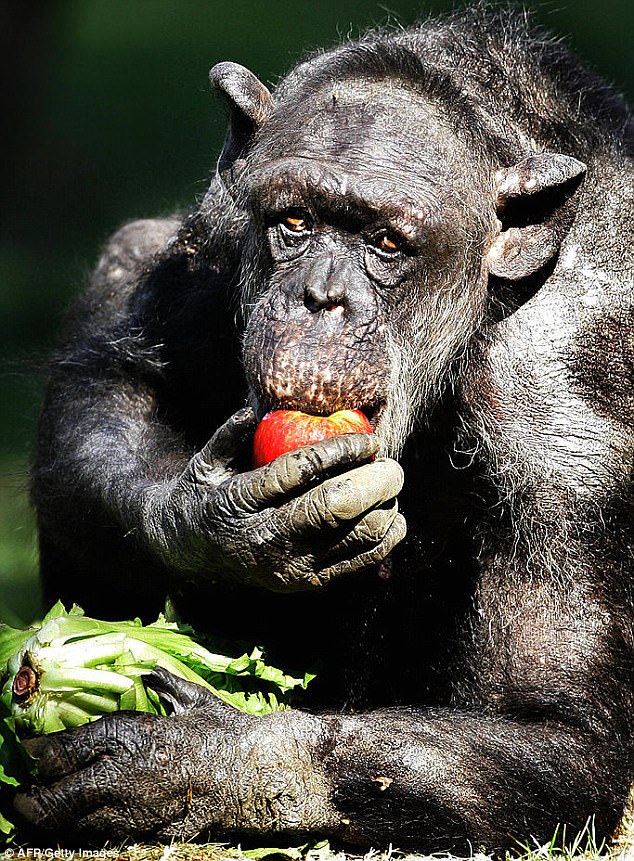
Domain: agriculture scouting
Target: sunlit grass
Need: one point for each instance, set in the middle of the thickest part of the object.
(582, 848)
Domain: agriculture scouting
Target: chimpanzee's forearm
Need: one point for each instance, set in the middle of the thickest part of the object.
(445, 779)
(455, 780)
(93, 464)
(532, 741)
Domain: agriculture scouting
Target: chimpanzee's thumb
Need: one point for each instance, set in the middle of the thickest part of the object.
(227, 441)
(178, 694)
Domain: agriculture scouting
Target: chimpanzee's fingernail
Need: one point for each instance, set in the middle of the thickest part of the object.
(244, 416)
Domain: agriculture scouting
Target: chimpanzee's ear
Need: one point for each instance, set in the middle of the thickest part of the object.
(535, 212)
(250, 105)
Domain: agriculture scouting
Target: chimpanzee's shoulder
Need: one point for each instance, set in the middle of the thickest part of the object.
(133, 247)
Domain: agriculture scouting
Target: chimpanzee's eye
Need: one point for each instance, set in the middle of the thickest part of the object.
(295, 224)
(387, 244)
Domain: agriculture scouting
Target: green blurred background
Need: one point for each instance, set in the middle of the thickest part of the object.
(108, 116)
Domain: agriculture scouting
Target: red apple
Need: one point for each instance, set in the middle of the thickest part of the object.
(286, 430)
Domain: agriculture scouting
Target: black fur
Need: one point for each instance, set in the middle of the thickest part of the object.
(476, 687)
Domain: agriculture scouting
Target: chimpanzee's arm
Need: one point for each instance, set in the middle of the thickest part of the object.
(99, 435)
(548, 748)
(126, 490)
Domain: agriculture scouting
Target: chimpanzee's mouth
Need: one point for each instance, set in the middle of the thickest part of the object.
(373, 413)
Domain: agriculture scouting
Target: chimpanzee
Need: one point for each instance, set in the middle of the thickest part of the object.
(432, 226)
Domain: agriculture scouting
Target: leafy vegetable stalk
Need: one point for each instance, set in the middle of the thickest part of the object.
(73, 669)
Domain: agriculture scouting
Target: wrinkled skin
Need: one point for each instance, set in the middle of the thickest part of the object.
(302, 544)
(434, 228)
(128, 752)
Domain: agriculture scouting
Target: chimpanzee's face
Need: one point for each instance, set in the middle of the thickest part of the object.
(363, 283)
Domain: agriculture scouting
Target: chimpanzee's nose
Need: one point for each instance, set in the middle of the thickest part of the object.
(325, 284)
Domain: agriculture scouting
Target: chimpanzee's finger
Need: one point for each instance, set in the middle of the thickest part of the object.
(368, 558)
(291, 472)
(225, 444)
(63, 753)
(61, 804)
(179, 694)
(339, 500)
(365, 534)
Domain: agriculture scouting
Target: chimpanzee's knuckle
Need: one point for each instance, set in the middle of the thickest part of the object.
(131, 734)
(376, 524)
(392, 475)
(348, 448)
(29, 806)
(290, 471)
(272, 482)
(362, 488)
(306, 514)
(374, 555)
(371, 530)
(311, 512)
(61, 757)
(397, 532)
(293, 576)
(52, 755)
(232, 499)
(62, 753)
(200, 472)
(341, 500)
(369, 556)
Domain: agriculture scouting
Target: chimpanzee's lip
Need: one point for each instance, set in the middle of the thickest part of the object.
(372, 412)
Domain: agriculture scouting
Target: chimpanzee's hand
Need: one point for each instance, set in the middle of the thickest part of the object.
(312, 514)
(130, 775)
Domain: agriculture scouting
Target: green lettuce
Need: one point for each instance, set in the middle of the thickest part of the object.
(73, 669)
